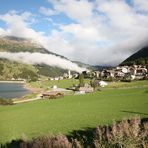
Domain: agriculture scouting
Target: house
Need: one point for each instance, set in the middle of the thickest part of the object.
(124, 69)
(97, 74)
(56, 78)
(52, 95)
(141, 71)
(138, 71)
(65, 76)
(51, 79)
(103, 84)
(107, 73)
(119, 74)
(75, 76)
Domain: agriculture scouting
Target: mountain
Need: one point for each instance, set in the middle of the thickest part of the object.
(87, 66)
(91, 67)
(17, 44)
(13, 69)
(140, 57)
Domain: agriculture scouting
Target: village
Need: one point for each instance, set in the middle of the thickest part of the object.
(134, 72)
(96, 80)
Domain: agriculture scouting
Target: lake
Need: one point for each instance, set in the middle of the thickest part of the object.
(12, 90)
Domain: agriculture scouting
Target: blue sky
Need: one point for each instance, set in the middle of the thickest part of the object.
(107, 30)
(22, 5)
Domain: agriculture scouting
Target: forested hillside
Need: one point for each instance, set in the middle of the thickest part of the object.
(140, 57)
(10, 69)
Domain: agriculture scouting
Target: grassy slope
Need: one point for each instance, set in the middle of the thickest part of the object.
(133, 84)
(71, 112)
(16, 44)
(65, 83)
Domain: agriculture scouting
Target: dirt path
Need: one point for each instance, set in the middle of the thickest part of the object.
(28, 100)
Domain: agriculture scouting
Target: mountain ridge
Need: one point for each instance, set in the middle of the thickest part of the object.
(18, 45)
(139, 57)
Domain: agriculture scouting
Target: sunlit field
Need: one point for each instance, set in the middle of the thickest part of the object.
(64, 115)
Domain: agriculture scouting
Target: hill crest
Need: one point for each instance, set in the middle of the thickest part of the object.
(140, 57)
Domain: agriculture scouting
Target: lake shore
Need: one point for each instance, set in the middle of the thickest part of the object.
(26, 85)
(11, 81)
(33, 89)
(14, 89)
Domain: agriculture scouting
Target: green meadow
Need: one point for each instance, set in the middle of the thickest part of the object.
(75, 112)
(65, 83)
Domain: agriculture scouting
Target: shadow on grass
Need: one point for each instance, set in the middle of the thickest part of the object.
(85, 136)
(12, 144)
(146, 92)
(138, 113)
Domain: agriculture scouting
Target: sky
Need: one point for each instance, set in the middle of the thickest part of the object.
(97, 32)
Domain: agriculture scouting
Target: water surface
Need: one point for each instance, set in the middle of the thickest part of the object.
(12, 90)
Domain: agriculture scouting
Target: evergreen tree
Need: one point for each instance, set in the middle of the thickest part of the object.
(81, 80)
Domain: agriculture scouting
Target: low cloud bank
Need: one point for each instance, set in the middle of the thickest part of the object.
(39, 58)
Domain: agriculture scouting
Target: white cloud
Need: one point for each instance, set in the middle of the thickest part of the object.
(77, 10)
(18, 25)
(39, 58)
(141, 5)
(47, 11)
(102, 32)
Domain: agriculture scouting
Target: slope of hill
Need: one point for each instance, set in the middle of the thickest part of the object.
(16, 44)
(15, 69)
(140, 57)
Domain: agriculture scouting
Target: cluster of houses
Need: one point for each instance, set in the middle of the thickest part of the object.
(123, 72)
(67, 75)
(118, 73)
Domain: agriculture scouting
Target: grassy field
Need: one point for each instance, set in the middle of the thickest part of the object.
(73, 112)
(65, 83)
(133, 84)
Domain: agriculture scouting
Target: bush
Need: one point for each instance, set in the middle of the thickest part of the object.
(127, 133)
(6, 101)
(124, 134)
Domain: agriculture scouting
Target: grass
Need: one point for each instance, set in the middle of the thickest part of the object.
(65, 83)
(142, 83)
(72, 112)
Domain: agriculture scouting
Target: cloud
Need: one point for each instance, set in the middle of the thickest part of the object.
(39, 58)
(47, 11)
(141, 5)
(77, 10)
(19, 25)
(100, 32)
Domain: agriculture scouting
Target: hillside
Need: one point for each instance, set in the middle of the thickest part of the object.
(16, 44)
(14, 69)
(140, 57)
(11, 69)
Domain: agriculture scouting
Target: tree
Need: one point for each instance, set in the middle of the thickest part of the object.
(94, 83)
(81, 80)
(28, 75)
(1, 68)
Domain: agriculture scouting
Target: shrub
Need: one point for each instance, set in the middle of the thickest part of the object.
(60, 141)
(127, 133)
(81, 80)
(6, 101)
